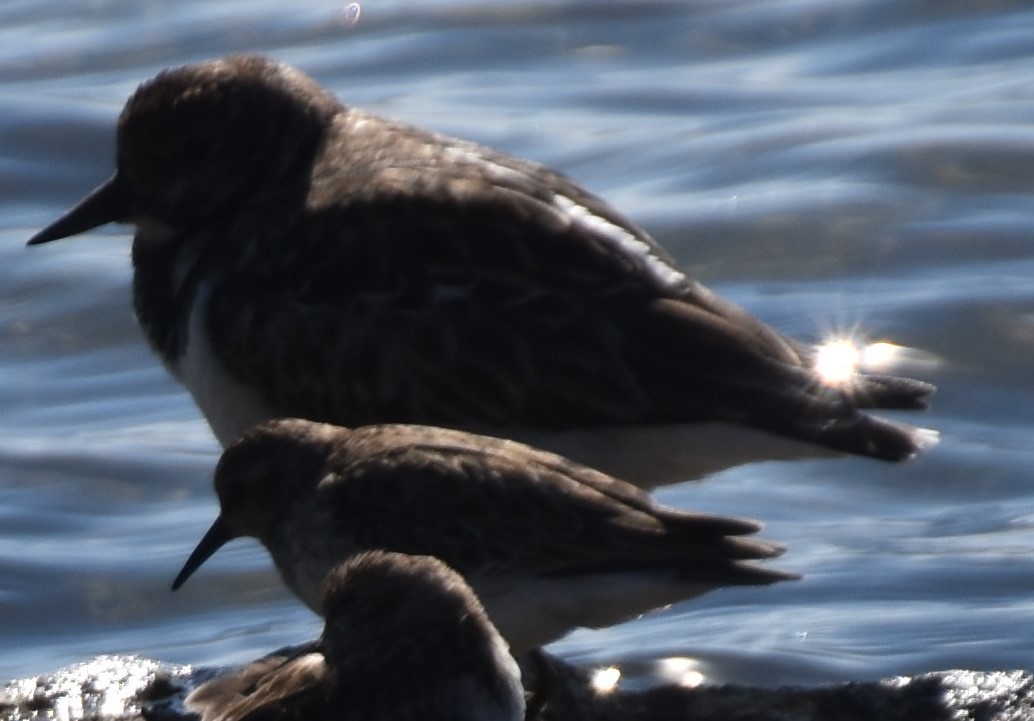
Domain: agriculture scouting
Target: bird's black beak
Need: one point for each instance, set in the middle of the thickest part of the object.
(216, 538)
(107, 203)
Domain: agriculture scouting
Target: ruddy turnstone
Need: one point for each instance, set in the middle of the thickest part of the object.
(405, 638)
(547, 544)
(297, 257)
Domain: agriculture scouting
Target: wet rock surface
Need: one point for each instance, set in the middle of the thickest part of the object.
(117, 688)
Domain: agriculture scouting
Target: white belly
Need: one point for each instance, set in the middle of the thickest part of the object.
(229, 406)
(650, 456)
(533, 612)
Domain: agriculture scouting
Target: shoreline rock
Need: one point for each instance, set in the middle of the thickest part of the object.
(127, 688)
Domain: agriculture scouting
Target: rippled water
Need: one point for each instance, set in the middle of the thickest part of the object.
(829, 164)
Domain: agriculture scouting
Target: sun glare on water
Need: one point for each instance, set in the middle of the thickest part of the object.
(605, 680)
(838, 359)
(680, 670)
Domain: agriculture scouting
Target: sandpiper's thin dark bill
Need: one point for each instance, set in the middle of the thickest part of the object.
(297, 257)
(405, 638)
(548, 545)
(107, 203)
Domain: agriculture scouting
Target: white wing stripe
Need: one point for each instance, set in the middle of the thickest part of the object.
(621, 240)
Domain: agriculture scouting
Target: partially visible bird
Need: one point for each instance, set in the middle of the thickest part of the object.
(547, 544)
(405, 639)
(295, 257)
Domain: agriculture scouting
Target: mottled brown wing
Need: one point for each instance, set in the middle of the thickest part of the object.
(485, 506)
(487, 291)
(428, 314)
(298, 688)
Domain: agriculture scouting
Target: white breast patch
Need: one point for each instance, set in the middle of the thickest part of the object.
(229, 406)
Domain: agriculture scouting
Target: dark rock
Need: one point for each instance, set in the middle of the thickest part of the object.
(118, 688)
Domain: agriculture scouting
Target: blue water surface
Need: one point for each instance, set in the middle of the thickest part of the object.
(833, 165)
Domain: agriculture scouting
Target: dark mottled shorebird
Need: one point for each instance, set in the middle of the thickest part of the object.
(547, 544)
(295, 257)
(405, 639)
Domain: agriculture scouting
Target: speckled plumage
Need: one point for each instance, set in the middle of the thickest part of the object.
(297, 257)
(405, 640)
(547, 544)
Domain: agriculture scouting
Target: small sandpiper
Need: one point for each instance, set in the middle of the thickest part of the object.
(295, 257)
(547, 544)
(405, 638)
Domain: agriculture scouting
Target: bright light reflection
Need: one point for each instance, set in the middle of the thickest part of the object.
(837, 361)
(605, 680)
(681, 671)
(880, 355)
(352, 12)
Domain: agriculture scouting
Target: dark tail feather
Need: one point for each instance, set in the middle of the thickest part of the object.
(734, 574)
(727, 561)
(891, 392)
(864, 435)
(750, 575)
